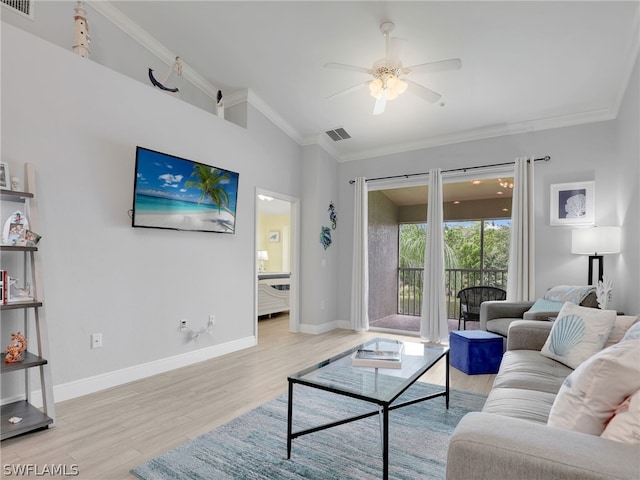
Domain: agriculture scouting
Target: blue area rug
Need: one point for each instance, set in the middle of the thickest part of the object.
(254, 445)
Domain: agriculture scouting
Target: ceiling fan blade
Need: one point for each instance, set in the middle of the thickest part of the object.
(381, 103)
(352, 68)
(442, 65)
(394, 52)
(423, 92)
(348, 90)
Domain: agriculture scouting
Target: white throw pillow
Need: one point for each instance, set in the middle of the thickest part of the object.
(590, 395)
(578, 333)
(620, 327)
(625, 424)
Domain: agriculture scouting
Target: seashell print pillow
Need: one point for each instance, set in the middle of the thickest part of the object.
(578, 333)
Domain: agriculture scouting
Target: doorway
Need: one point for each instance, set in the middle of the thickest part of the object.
(276, 253)
(477, 218)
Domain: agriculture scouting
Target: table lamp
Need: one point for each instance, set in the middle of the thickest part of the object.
(262, 256)
(595, 242)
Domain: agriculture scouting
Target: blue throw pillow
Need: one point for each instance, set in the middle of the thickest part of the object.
(542, 309)
(544, 305)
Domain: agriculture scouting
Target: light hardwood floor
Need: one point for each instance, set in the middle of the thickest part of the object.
(107, 433)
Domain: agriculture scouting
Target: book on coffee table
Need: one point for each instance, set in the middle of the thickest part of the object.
(386, 354)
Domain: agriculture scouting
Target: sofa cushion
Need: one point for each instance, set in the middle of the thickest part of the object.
(620, 328)
(625, 424)
(578, 333)
(591, 394)
(528, 369)
(500, 325)
(520, 403)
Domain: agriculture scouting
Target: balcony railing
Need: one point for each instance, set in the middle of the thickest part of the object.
(410, 281)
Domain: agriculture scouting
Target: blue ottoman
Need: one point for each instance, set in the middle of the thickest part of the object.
(475, 351)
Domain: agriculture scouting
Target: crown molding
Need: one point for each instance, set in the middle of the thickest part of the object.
(486, 132)
(322, 142)
(119, 19)
(274, 116)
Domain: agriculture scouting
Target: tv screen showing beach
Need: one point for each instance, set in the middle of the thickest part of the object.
(179, 194)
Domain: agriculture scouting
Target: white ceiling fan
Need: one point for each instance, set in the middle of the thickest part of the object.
(389, 74)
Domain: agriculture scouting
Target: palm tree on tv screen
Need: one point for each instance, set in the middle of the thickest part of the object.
(210, 181)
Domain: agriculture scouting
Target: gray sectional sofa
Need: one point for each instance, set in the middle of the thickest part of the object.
(496, 316)
(510, 438)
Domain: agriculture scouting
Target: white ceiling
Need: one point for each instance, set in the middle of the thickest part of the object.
(525, 65)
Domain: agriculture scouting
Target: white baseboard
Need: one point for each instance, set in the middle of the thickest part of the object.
(325, 327)
(85, 386)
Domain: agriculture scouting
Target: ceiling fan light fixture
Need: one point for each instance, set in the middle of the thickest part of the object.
(375, 87)
(394, 86)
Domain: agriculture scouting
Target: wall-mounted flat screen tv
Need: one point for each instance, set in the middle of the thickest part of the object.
(180, 194)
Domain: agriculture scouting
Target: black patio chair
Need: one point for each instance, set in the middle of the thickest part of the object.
(472, 297)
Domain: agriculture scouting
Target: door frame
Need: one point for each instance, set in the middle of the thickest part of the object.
(294, 254)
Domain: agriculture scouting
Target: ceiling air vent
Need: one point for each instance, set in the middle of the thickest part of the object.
(23, 7)
(338, 134)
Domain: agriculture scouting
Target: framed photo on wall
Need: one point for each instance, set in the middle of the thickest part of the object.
(4, 175)
(274, 236)
(573, 203)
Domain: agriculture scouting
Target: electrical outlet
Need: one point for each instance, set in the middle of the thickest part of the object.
(96, 340)
(212, 319)
(183, 324)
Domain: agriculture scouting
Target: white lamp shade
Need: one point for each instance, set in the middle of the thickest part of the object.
(595, 240)
(263, 255)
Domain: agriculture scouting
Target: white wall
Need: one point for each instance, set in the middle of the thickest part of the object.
(627, 284)
(606, 152)
(79, 123)
(319, 267)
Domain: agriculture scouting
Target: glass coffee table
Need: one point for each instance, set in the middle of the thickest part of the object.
(380, 386)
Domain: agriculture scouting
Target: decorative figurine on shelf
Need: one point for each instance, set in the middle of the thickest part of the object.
(15, 184)
(81, 38)
(16, 348)
(333, 216)
(220, 104)
(177, 66)
(604, 291)
(16, 293)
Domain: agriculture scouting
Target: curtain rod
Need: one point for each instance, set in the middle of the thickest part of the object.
(463, 169)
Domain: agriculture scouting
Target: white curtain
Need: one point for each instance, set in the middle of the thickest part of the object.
(520, 279)
(360, 266)
(433, 324)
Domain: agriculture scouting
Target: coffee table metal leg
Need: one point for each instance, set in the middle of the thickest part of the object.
(381, 422)
(289, 420)
(385, 443)
(446, 381)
